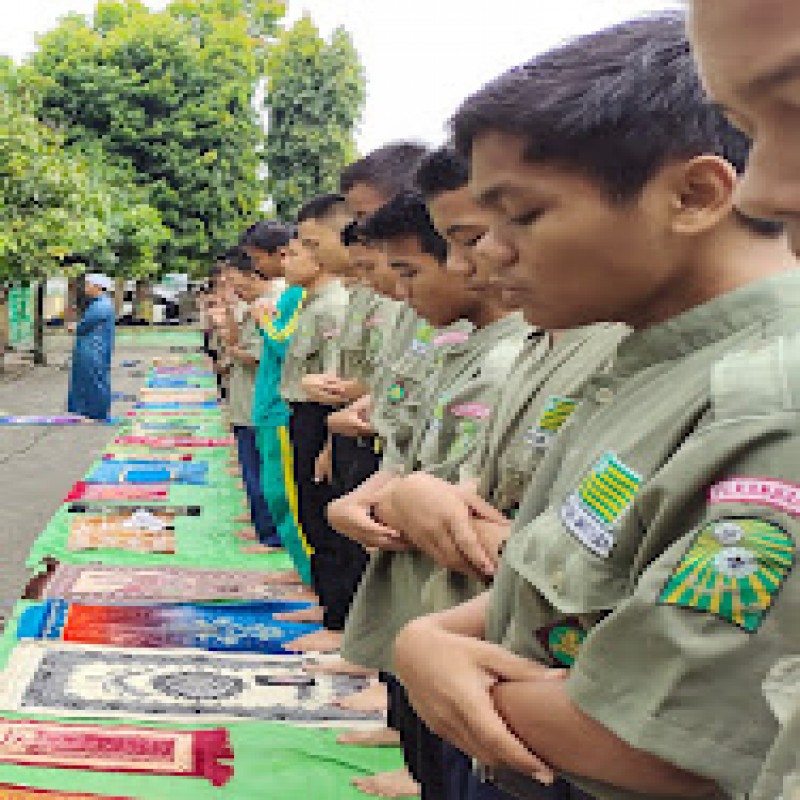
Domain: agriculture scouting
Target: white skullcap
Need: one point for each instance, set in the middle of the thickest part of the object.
(98, 279)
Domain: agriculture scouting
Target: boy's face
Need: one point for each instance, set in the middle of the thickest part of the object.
(269, 265)
(364, 200)
(323, 239)
(749, 57)
(374, 266)
(299, 266)
(574, 256)
(248, 287)
(460, 220)
(435, 294)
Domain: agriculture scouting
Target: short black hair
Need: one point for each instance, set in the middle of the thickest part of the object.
(352, 233)
(443, 170)
(236, 258)
(267, 235)
(389, 169)
(406, 215)
(616, 105)
(320, 207)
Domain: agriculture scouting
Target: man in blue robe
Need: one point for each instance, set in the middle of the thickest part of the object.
(90, 381)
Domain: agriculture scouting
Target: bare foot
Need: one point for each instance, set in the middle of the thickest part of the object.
(319, 641)
(389, 784)
(259, 550)
(248, 534)
(373, 698)
(340, 667)
(313, 614)
(385, 737)
(243, 518)
(232, 471)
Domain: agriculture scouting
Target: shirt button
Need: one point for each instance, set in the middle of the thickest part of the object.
(604, 395)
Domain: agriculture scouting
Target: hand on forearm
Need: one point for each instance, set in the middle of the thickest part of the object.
(546, 720)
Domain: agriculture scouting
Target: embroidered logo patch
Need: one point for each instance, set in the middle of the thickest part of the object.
(733, 570)
(450, 338)
(556, 412)
(562, 641)
(602, 497)
(396, 393)
(777, 494)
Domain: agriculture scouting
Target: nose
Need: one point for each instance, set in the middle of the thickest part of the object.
(496, 248)
(457, 263)
(770, 188)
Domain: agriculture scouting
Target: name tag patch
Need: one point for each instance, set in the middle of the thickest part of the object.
(776, 494)
(556, 412)
(733, 570)
(593, 509)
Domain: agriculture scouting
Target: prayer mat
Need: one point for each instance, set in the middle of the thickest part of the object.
(191, 754)
(187, 382)
(9, 792)
(191, 412)
(176, 441)
(98, 491)
(100, 583)
(109, 472)
(177, 395)
(53, 420)
(108, 536)
(156, 460)
(235, 628)
(178, 685)
(185, 408)
(164, 513)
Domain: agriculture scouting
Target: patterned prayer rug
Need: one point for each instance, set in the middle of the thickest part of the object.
(129, 472)
(235, 628)
(113, 509)
(170, 442)
(191, 754)
(42, 420)
(9, 792)
(99, 535)
(101, 583)
(98, 491)
(178, 685)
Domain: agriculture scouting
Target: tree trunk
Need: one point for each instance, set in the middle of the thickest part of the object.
(39, 355)
(119, 296)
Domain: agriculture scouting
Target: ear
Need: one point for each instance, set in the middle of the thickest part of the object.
(702, 194)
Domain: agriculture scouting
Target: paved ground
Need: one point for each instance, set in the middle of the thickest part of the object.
(38, 465)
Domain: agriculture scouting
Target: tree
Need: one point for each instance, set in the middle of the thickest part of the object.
(168, 98)
(316, 93)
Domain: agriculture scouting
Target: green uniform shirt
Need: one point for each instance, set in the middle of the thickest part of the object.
(243, 376)
(354, 336)
(471, 375)
(315, 347)
(398, 408)
(652, 553)
(392, 329)
(537, 401)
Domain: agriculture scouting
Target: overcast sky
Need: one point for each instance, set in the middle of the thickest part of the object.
(422, 56)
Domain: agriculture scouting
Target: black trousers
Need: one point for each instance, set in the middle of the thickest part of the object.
(338, 562)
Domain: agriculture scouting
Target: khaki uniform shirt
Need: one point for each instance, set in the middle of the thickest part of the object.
(354, 336)
(315, 346)
(537, 401)
(652, 553)
(470, 378)
(391, 333)
(243, 376)
(398, 409)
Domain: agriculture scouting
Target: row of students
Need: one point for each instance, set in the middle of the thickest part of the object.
(581, 524)
(584, 567)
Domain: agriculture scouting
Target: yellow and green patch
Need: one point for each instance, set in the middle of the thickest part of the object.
(609, 488)
(733, 570)
(562, 641)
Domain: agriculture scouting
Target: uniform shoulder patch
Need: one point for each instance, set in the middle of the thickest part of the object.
(556, 412)
(562, 640)
(733, 570)
(592, 510)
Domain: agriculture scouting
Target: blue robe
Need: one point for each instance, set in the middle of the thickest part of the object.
(90, 381)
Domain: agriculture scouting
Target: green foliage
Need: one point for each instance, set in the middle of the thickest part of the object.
(316, 93)
(167, 97)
